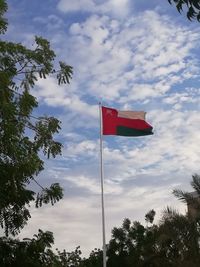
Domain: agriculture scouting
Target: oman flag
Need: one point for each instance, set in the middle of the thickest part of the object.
(124, 123)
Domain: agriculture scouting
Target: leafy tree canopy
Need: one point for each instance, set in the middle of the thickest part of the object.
(36, 252)
(172, 242)
(23, 137)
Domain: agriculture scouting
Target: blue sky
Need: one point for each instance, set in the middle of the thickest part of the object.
(129, 55)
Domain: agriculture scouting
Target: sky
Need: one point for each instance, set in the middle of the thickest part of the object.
(129, 55)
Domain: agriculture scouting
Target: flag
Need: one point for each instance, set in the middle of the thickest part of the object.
(124, 123)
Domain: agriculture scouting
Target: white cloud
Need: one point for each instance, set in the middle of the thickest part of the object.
(115, 7)
(187, 97)
(135, 60)
(52, 94)
(85, 149)
(52, 22)
(77, 5)
(70, 223)
(122, 62)
(93, 186)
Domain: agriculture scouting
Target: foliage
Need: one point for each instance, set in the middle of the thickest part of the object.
(24, 137)
(36, 252)
(3, 21)
(149, 217)
(132, 245)
(172, 242)
(192, 6)
(70, 259)
(95, 259)
(177, 239)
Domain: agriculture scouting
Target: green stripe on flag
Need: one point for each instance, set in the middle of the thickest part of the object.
(126, 131)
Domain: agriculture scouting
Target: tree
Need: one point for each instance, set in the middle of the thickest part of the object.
(176, 240)
(33, 252)
(178, 234)
(36, 252)
(192, 7)
(24, 137)
(133, 244)
(192, 199)
(149, 217)
(172, 242)
(95, 259)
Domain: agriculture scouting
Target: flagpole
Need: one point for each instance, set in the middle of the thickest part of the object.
(102, 187)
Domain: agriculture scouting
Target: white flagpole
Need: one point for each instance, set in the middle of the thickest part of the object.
(102, 187)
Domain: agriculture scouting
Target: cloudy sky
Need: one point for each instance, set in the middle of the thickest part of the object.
(135, 55)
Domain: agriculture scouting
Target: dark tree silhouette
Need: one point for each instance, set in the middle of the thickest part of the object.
(192, 8)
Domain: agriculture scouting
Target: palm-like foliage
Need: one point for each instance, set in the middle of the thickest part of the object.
(173, 242)
(192, 6)
(179, 234)
(178, 239)
(191, 199)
